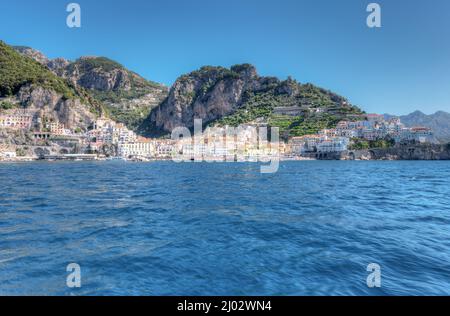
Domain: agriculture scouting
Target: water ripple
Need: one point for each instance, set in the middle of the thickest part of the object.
(225, 229)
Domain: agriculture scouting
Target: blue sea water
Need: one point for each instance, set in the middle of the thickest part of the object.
(225, 229)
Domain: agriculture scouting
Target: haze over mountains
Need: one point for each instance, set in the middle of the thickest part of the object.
(76, 92)
(439, 122)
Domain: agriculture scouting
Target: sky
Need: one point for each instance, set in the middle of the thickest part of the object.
(399, 68)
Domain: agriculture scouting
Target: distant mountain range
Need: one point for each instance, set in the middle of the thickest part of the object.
(439, 122)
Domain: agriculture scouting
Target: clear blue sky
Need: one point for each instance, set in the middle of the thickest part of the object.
(399, 68)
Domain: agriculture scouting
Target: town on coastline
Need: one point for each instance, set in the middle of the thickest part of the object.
(26, 136)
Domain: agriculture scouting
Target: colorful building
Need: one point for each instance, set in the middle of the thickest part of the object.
(16, 120)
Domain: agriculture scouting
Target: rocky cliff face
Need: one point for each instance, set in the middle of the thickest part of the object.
(216, 95)
(413, 151)
(32, 53)
(127, 97)
(208, 94)
(58, 66)
(238, 94)
(98, 73)
(28, 84)
(49, 105)
(403, 152)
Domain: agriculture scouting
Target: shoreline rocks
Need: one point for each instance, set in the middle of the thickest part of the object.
(402, 152)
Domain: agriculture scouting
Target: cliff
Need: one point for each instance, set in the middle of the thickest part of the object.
(126, 96)
(239, 95)
(26, 83)
(399, 152)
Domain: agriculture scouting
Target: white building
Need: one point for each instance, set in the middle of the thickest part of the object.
(110, 132)
(8, 154)
(417, 134)
(141, 148)
(164, 148)
(333, 145)
(375, 127)
(306, 144)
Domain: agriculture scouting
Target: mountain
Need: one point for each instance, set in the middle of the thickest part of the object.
(439, 122)
(126, 96)
(26, 83)
(32, 53)
(239, 95)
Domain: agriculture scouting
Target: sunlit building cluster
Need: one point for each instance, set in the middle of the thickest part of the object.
(374, 127)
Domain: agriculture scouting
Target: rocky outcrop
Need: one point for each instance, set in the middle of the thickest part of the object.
(104, 75)
(208, 94)
(40, 92)
(47, 104)
(15, 137)
(128, 97)
(114, 80)
(97, 73)
(216, 95)
(32, 53)
(58, 66)
(213, 93)
(401, 152)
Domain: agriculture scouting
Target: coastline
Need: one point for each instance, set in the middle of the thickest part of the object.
(405, 152)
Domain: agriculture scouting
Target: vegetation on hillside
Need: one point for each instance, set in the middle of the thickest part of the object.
(132, 118)
(139, 86)
(17, 70)
(261, 106)
(358, 144)
(6, 105)
(116, 101)
(209, 77)
(303, 125)
(88, 64)
(211, 74)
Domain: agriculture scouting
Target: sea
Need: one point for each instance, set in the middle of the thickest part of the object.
(163, 228)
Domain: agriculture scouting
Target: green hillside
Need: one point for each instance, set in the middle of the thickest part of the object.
(238, 95)
(121, 99)
(17, 70)
(319, 109)
(96, 65)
